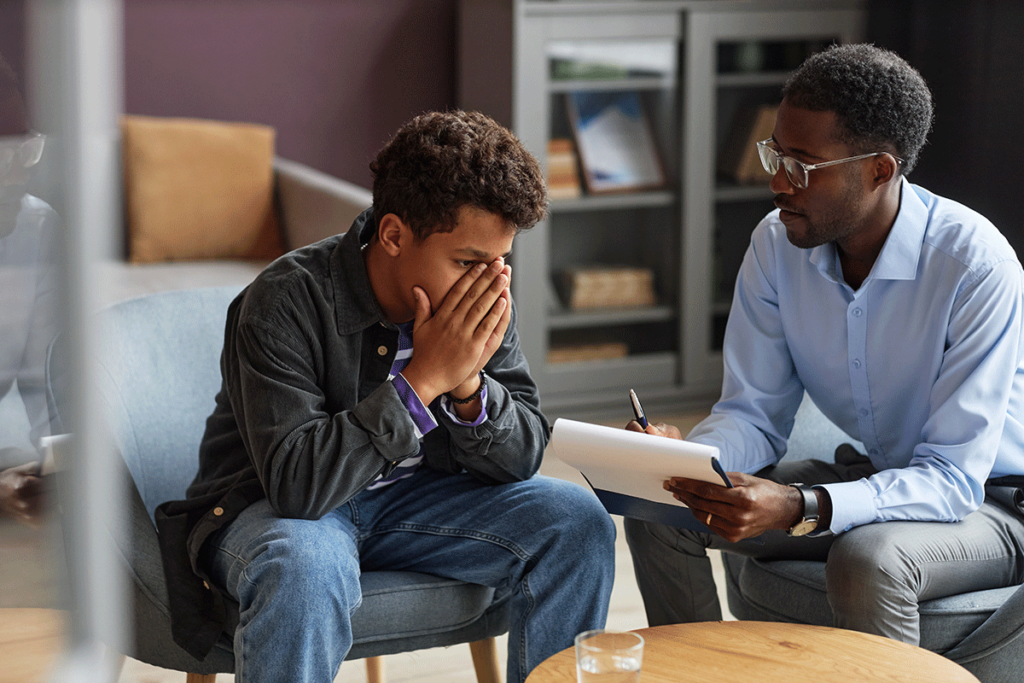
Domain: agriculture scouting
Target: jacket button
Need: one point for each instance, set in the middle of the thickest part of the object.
(382, 350)
(218, 511)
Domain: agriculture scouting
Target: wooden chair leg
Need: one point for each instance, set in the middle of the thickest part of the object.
(375, 670)
(200, 678)
(485, 660)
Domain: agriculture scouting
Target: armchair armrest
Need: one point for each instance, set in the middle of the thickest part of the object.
(315, 205)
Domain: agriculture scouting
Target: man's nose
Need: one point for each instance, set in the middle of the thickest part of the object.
(780, 183)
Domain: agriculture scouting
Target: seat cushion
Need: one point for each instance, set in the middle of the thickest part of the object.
(794, 591)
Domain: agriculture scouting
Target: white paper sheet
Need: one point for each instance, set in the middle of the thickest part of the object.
(632, 463)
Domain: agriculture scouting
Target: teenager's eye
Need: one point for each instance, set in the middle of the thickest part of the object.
(467, 264)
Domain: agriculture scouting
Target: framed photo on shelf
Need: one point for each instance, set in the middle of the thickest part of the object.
(616, 145)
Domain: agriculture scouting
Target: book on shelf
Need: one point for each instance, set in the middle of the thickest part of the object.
(616, 144)
(589, 288)
(578, 353)
(739, 160)
(563, 170)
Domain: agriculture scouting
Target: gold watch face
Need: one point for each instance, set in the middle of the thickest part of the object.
(803, 528)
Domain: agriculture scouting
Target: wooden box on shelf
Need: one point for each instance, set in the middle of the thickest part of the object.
(587, 288)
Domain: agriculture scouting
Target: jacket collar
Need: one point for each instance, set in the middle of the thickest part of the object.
(355, 305)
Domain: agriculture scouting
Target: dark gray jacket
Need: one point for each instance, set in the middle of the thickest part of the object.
(307, 419)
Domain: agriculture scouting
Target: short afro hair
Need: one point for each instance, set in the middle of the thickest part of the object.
(880, 101)
(439, 162)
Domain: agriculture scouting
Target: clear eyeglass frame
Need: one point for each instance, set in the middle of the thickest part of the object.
(21, 150)
(797, 171)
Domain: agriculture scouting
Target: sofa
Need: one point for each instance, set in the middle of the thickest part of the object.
(311, 206)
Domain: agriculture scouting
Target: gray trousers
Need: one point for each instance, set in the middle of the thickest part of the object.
(875, 574)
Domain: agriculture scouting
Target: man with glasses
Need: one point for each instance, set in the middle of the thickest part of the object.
(27, 230)
(900, 314)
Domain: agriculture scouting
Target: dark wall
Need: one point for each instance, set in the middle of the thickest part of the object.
(12, 35)
(335, 78)
(971, 53)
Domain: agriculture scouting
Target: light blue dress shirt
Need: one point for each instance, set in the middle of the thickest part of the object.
(922, 363)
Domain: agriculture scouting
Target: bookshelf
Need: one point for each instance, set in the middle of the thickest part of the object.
(687, 69)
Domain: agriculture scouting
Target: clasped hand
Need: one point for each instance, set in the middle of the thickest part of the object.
(454, 342)
(753, 506)
(23, 493)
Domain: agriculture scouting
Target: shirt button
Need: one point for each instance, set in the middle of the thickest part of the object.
(382, 350)
(856, 363)
(857, 313)
(218, 511)
(863, 412)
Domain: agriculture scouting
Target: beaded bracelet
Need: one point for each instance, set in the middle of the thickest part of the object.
(472, 397)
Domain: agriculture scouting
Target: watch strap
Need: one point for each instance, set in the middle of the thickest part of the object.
(809, 520)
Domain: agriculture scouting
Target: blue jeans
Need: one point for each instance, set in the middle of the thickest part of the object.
(544, 544)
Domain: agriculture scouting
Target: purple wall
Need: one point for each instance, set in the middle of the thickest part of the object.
(12, 35)
(334, 77)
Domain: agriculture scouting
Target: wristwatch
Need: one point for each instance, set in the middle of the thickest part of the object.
(810, 519)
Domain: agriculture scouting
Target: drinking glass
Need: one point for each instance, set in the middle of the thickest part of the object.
(604, 656)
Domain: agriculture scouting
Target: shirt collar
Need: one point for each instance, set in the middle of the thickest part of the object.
(355, 305)
(902, 249)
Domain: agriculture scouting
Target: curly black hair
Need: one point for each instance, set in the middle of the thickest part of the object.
(441, 161)
(880, 101)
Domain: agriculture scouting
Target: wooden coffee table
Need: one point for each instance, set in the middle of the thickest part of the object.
(722, 651)
(30, 642)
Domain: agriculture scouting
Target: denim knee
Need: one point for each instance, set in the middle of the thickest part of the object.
(303, 572)
(580, 518)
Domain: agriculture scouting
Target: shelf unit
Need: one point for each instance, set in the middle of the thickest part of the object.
(691, 234)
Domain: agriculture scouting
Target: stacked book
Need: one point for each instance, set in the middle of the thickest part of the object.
(563, 170)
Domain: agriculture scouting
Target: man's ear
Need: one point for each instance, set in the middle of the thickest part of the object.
(393, 234)
(885, 168)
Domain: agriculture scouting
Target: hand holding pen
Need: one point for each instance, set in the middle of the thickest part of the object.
(638, 410)
(640, 424)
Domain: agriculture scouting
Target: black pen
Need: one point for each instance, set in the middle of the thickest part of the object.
(638, 410)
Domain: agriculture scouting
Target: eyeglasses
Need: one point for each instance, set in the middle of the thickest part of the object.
(21, 151)
(797, 171)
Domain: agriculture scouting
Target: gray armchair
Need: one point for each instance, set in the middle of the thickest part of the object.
(980, 630)
(159, 371)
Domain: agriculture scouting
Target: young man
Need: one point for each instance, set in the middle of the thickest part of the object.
(900, 314)
(377, 413)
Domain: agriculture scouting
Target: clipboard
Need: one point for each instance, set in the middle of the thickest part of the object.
(627, 469)
(54, 452)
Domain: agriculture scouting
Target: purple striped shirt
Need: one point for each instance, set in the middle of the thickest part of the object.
(422, 418)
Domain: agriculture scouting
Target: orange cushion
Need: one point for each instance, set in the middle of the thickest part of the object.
(197, 189)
